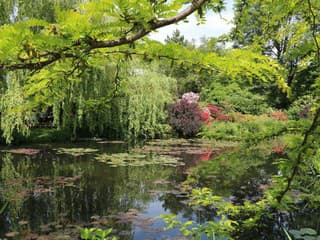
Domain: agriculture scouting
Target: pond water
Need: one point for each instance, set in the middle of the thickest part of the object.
(46, 190)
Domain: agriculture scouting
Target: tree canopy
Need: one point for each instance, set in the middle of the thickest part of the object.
(51, 59)
(34, 43)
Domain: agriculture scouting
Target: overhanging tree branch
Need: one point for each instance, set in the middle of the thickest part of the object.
(89, 44)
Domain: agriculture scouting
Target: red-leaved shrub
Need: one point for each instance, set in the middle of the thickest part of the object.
(278, 149)
(206, 116)
(216, 112)
(279, 115)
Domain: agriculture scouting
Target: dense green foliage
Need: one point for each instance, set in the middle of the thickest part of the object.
(92, 65)
(236, 98)
(286, 31)
(141, 111)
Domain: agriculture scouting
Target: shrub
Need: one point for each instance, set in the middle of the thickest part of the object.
(206, 116)
(235, 98)
(216, 113)
(185, 117)
(190, 97)
(300, 108)
(248, 130)
(279, 115)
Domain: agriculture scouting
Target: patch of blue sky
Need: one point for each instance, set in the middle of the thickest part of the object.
(214, 26)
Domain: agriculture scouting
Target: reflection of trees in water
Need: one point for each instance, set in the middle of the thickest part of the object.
(101, 190)
(13, 191)
(303, 217)
(239, 173)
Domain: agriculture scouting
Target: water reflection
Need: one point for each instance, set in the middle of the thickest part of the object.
(63, 189)
(49, 192)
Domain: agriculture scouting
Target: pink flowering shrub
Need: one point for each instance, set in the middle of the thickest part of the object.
(186, 117)
(190, 97)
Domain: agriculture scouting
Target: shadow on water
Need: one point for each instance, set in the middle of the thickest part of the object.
(52, 188)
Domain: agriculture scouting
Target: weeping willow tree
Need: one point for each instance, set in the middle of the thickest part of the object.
(15, 10)
(141, 110)
(77, 65)
(14, 118)
(117, 101)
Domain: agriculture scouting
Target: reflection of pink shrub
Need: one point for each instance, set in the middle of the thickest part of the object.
(278, 149)
(206, 156)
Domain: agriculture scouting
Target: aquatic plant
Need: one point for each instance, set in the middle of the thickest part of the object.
(301, 234)
(137, 159)
(26, 151)
(76, 151)
(96, 234)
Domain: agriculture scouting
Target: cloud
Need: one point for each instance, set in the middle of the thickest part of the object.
(214, 26)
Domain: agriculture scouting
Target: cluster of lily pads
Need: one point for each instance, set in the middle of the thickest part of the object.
(303, 234)
(76, 151)
(138, 159)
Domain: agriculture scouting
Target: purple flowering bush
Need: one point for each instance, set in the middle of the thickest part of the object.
(185, 115)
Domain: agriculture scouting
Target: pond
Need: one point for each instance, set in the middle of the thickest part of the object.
(47, 190)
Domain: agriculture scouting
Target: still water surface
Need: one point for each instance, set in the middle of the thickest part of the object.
(50, 191)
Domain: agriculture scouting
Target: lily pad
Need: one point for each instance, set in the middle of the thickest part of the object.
(304, 233)
(12, 234)
(22, 222)
(26, 151)
(308, 231)
(76, 151)
(137, 159)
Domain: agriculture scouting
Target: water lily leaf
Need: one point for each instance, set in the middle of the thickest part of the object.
(26, 151)
(12, 234)
(308, 231)
(76, 151)
(295, 233)
(137, 159)
(309, 237)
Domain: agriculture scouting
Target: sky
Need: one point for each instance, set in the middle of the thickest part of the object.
(215, 26)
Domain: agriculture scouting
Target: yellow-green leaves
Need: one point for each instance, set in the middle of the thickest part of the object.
(243, 65)
(14, 117)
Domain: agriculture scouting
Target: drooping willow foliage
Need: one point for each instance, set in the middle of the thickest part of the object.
(142, 111)
(108, 100)
(14, 119)
(129, 105)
